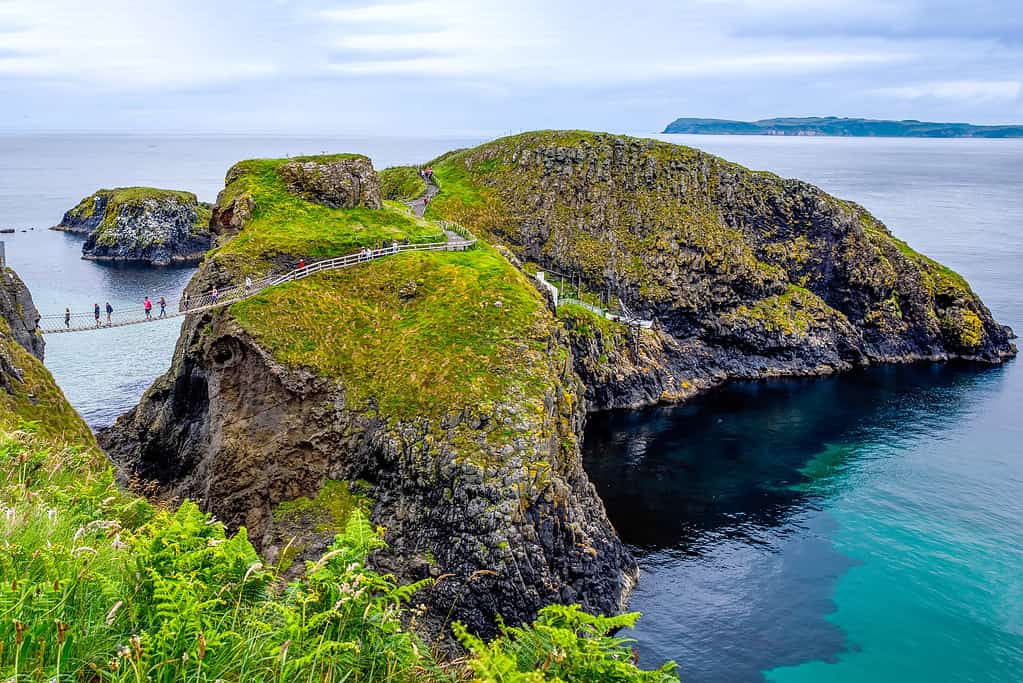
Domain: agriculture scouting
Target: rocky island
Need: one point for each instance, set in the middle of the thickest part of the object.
(438, 384)
(141, 224)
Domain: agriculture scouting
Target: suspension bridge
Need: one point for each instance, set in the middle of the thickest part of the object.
(457, 238)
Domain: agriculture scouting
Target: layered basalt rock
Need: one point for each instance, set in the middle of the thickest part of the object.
(18, 309)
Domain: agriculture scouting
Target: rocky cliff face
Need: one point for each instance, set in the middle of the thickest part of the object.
(146, 225)
(18, 309)
(746, 274)
(435, 389)
(340, 182)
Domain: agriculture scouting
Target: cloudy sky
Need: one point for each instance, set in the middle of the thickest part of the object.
(487, 66)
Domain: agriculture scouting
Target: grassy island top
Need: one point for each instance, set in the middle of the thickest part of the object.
(419, 333)
(414, 334)
(284, 224)
(495, 191)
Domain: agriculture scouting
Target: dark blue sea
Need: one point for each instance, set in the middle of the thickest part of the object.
(867, 527)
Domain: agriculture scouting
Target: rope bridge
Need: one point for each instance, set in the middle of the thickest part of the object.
(458, 239)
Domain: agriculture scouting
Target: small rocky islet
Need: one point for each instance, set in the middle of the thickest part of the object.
(141, 225)
(443, 395)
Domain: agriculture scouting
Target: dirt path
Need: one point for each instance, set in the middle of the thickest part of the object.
(418, 206)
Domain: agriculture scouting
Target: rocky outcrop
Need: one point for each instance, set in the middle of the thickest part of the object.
(340, 181)
(745, 273)
(484, 492)
(144, 225)
(18, 309)
(509, 526)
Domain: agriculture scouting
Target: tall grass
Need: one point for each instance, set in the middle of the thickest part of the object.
(98, 585)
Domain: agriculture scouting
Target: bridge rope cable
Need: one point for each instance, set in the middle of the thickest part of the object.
(458, 239)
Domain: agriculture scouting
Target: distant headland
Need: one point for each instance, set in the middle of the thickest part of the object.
(842, 127)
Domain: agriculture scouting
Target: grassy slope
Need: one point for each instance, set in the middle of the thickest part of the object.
(450, 345)
(285, 224)
(38, 400)
(401, 183)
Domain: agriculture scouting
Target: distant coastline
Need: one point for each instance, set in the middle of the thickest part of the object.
(841, 127)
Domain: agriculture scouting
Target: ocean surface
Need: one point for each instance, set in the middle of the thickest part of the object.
(859, 528)
(867, 527)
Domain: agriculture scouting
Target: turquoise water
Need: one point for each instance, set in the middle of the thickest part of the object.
(859, 528)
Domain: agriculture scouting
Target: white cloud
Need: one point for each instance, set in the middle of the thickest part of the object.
(120, 45)
(955, 90)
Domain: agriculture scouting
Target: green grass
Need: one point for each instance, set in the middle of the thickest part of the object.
(284, 224)
(37, 399)
(416, 334)
(98, 585)
(585, 322)
(402, 183)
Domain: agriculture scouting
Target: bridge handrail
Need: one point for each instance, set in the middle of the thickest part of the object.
(233, 294)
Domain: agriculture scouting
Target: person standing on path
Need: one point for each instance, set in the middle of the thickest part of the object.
(301, 263)
(110, 313)
(95, 312)
(67, 318)
(163, 307)
(148, 305)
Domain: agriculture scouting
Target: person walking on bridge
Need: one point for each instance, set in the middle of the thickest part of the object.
(186, 301)
(67, 318)
(214, 295)
(148, 306)
(163, 307)
(248, 283)
(110, 313)
(95, 312)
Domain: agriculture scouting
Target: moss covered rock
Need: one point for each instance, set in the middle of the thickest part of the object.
(141, 224)
(342, 181)
(752, 274)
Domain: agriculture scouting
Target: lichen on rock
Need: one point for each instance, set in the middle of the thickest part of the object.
(342, 181)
